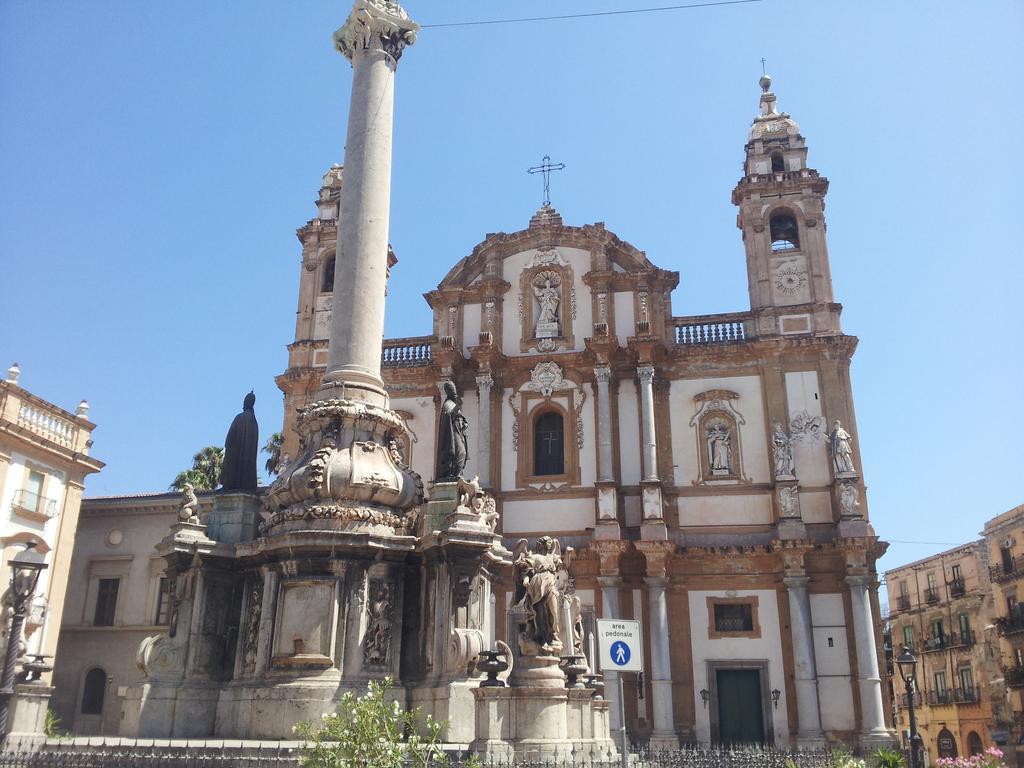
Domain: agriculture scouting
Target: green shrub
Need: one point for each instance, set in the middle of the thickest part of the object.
(372, 730)
(890, 758)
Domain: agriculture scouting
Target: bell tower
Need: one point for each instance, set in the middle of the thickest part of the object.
(782, 216)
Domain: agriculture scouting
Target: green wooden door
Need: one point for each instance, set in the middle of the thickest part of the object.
(740, 716)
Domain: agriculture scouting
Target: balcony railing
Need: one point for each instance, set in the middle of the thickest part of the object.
(1014, 677)
(29, 503)
(901, 699)
(1009, 625)
(931, 595)
(957, 588)
(967, 695)
(411, 351)
(711, 329)
(940, 698)
(963, 639)
(1007, 570)
(903, 602)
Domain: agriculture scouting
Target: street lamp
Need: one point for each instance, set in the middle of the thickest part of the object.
(906, 662)
(26, 566)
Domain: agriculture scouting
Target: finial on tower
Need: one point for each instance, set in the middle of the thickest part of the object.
(766, 83)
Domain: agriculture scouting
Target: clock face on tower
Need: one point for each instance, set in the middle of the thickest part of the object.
(790, 279)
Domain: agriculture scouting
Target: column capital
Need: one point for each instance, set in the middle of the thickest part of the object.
(609, 551)
(381, 25)
(656, 582)
(657, 554)
(603, 374)
(860, 580)
(609, 582)
(646, 373)
(796, 581)
(485, 381)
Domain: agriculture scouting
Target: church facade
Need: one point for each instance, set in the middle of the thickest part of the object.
(704, 469)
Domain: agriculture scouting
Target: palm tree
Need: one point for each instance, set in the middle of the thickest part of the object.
(205, 471)
(273, 451)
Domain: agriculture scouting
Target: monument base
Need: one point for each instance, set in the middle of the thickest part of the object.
(28, 707)
(559, 725)
(235, 517)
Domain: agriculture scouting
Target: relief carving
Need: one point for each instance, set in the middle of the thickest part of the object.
(380, 617)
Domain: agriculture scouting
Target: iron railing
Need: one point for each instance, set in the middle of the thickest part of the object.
(957, 588)
(931, 595)
(33, 503)
(903, 602)
(286, 755)
(1005, 570)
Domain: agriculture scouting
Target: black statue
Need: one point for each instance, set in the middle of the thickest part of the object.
(452, 448)
(241, 446)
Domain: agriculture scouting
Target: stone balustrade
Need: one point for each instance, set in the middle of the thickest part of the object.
(728, 328)
(412, 350)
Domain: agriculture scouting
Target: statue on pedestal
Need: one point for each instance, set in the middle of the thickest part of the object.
(840, 444)
(188, 512)
(782, 451)
(537, 590)
(452, 447)
(241, 446)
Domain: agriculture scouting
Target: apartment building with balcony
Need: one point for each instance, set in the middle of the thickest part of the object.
(44, 460)
(941, 608)
(1004, 545)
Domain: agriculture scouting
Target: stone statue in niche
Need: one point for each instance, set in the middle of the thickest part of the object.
(840, 445)
(547, 290)
(378, 629)
(536, 590)
(238, 473)
(719, 447)
(188, 511)
(452, 447)
(252, 624)
(782, 452)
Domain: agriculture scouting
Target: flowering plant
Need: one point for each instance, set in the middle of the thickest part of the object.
(371, 731)
(990, 758)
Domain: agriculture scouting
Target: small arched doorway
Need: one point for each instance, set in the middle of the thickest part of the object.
(946, 743)
(974, 745)
(89, 720)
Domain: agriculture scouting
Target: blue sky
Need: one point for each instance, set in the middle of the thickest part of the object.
(156, 159)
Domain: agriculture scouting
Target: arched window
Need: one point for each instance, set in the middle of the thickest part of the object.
(974, 744)
(327, 284)
(778, 164)
(94, 691)
(549, 444)
(784, 232)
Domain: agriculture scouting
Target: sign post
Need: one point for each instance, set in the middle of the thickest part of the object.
(620, 650)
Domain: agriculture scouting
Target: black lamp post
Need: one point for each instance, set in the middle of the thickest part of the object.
(906, 662)
(26, 566)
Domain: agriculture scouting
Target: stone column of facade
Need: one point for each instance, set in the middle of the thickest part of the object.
(373, 40)
(610, 610)
(873, 728)
(603, 375)
(650, 449)
(663, 736)
(809, 732)
(484, 383)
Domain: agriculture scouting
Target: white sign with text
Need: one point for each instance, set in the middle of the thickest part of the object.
(619, 645)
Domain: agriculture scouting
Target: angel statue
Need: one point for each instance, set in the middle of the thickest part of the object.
(537, 578)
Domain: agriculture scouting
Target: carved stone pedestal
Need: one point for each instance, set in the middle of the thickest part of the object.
(540, 724)
(28, 716)
(234, 517)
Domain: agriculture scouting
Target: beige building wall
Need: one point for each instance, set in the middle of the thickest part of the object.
(44, 460)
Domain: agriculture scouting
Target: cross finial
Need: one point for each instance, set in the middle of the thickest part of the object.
(763, 62)
(546, 167)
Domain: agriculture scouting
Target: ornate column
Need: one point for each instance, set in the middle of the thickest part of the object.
(873, 728)
(806, 677)
(610, 610)
(603, 375)
(650, 442)
(663, 737)
(373, 39)
(484, 383)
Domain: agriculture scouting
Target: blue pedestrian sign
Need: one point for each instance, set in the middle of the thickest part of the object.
(620, 645)
(620, 653)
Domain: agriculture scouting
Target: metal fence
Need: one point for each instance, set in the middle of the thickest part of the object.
(287, 756)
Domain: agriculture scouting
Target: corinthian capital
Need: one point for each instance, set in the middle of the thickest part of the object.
(376, 25)
(646, 373)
